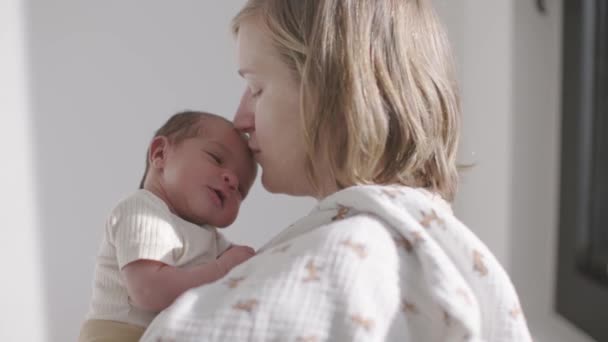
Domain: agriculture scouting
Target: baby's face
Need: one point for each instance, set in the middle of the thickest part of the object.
(206, 177)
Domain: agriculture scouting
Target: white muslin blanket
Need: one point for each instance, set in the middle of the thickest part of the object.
(369, 263)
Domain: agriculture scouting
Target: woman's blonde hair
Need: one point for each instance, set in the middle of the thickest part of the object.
(379, 99)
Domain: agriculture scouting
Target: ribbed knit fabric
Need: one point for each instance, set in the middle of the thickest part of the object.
(142, 227)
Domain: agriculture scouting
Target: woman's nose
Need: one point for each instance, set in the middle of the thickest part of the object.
(230, 180)
(244, 119)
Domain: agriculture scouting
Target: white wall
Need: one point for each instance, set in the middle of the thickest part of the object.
(104, 76)
(22, 317)
(536, 163)
(480, 32)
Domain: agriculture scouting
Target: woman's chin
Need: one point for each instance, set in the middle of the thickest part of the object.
(267, 184)
(285, 188)
(271, 185)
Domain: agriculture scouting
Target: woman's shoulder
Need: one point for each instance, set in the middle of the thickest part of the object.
(339, 250)
(360, 237)
(363, 212)
(361, 226)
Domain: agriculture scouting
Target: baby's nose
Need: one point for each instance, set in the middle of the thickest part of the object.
(230, 179)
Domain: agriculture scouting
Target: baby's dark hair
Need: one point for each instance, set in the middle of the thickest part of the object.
(179, 127)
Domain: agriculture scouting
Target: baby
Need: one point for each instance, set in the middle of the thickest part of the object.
(161, 240)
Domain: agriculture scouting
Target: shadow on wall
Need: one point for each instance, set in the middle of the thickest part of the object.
(103, 76)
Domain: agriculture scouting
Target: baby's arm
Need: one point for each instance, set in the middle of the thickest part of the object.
(153, 285)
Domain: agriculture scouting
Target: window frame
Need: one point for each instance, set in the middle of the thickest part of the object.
(582, 268)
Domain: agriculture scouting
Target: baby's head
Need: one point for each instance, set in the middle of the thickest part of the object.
(200, 165)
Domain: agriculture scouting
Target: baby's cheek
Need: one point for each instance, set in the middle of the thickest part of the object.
(236, 209)
(231, 211)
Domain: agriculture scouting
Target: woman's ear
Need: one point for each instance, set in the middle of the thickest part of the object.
(158, 152)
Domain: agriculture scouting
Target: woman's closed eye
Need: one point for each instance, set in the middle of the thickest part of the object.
(256, 93)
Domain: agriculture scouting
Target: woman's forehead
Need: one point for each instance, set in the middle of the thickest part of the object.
(254, 47)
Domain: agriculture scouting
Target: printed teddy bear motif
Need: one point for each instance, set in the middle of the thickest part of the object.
(246, 305)
(429, 218)
(358, 248)
(313, 272)
(234, 282)
(478, 263)
(342, 212)
(362, 322)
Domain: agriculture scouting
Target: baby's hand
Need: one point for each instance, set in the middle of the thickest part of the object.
(234, 256)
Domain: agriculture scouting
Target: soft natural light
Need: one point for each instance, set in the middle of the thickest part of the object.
(21, 289)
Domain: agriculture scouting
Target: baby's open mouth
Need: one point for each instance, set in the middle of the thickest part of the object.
(221, 196)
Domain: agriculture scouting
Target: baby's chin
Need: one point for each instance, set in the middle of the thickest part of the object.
(206, 212)
(223, 220)
(222, 225)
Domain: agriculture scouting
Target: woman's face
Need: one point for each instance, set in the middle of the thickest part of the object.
(269, 112)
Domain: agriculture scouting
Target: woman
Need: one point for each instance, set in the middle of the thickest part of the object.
(354, 103)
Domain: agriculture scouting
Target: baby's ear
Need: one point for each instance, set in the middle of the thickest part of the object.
(158, 152)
